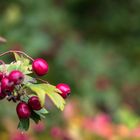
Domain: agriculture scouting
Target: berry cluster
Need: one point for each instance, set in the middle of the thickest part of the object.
(8, 82)
(24, 109)
(12, 87)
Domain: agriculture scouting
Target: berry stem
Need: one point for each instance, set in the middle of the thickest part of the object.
(20, 52)
(42, 80)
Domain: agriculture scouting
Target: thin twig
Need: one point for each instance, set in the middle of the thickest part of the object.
(20, 52)
(42, 80)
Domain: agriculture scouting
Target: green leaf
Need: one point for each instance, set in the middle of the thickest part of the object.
(24, 124)
(34, 116)
(24, 99)
(21, 58)
(1, 68)
(25, 66)
(29, 79)
(19, 65)
(9, 67)
(39, 91)
(17, 57)
(42, 113)
(12, 67)
(46, 89)
(52, 93)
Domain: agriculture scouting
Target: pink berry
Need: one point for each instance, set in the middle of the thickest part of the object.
(34, 103)
(65, 89)
(16, 77)
(6, 85)
(23, 110)
(40, 66)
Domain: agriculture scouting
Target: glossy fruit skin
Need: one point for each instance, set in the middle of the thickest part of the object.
(34, 103)
(2, 95)
(16, 77)
(23, 110)
(6, 85)
(64, 88)
(40, 66)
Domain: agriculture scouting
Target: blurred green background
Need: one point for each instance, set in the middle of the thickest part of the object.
(94, 46)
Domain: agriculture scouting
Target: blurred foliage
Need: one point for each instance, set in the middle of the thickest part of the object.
(94, 45)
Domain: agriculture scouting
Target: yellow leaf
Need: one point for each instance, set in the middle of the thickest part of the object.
(40, 93)
(17, 57)
(25, 65)
(46, 89)
(52, 92)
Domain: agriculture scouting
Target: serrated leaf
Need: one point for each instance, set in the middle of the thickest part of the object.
(39, 91)
(24, 124)
(25, 66)
(46, 89)
(17, 66)
(52, 92)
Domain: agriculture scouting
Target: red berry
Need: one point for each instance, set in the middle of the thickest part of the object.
(64, 88)
(2, 95)
(40, 66)
(16, 77)
(23, 110)
(1, 75)
(6, 85)
(34, 103)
